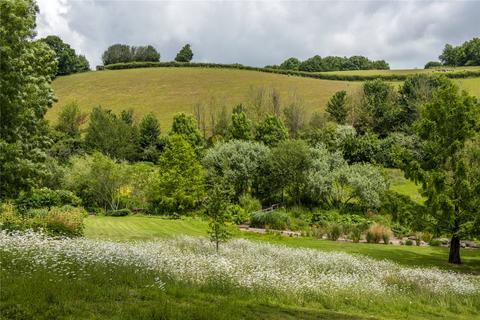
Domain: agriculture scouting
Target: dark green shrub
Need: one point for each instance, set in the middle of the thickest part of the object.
(118, 213)
(326, 76)
(370, 237)
(400, 231)
(435, 243)
(46, 198)
(278, 220)
(409, 242)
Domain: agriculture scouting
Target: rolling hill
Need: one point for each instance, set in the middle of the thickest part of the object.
(166, 91)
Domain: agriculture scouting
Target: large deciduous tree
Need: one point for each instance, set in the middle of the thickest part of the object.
(68, 61)
(27, 68)
(185, 54)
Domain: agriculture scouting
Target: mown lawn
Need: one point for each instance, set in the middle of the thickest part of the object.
(149, 227)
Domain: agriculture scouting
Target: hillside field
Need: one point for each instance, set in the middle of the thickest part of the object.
(166, 91)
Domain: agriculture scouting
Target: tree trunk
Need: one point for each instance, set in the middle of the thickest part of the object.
(454, 255)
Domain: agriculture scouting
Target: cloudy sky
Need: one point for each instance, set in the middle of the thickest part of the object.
(406, 34)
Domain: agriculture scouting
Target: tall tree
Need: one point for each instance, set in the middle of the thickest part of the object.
(186, 126)
(271, 131)
(337, 107)
(446, 168)
(240, 127)
(185, 54)
(149, 138)
(112, 135)
(178, 186)
(27, 68)
(117, 53)
(67, 59)
(217, 212)
(70, 119)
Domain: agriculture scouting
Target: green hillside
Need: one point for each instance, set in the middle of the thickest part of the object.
(166, 91)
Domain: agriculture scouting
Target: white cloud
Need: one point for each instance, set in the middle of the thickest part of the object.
(406, 34)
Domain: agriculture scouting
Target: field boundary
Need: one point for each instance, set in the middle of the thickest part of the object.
(322, 76)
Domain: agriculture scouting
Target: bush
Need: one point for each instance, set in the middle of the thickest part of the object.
(9, 219)
(386, 238)
(118, 213)
(400, 231)
(334, 231)
(249, 204)
(237, 214)
(426, 237)
(377, 232)
(408, 242)
(278, 220)
(317, 232)
(326, 76)
(356, 233)
(64, 221)
(46, 198)
(435, 243)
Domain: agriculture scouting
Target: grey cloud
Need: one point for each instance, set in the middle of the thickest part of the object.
(406, 34)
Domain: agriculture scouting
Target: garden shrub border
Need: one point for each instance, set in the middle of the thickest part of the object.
(323, 76)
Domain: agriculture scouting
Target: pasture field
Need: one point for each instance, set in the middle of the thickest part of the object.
(166, 91)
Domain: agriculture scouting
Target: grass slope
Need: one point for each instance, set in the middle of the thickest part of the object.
(150, 227)
(166, 91)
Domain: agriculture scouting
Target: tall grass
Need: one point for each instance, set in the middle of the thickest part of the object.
(44, 278)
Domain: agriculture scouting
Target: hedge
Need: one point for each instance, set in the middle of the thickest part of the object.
(324, 76)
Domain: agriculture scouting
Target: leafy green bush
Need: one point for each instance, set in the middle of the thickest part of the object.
(400, 231)
(249, 204)
(46, 198)
(237, 214)
(278, 220)
(435, 243)
(118, 213)
(408, 242)
(370, 237)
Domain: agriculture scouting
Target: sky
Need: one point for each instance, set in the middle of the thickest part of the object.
(407, 34)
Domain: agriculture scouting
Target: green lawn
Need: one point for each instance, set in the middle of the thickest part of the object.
(148, 227)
